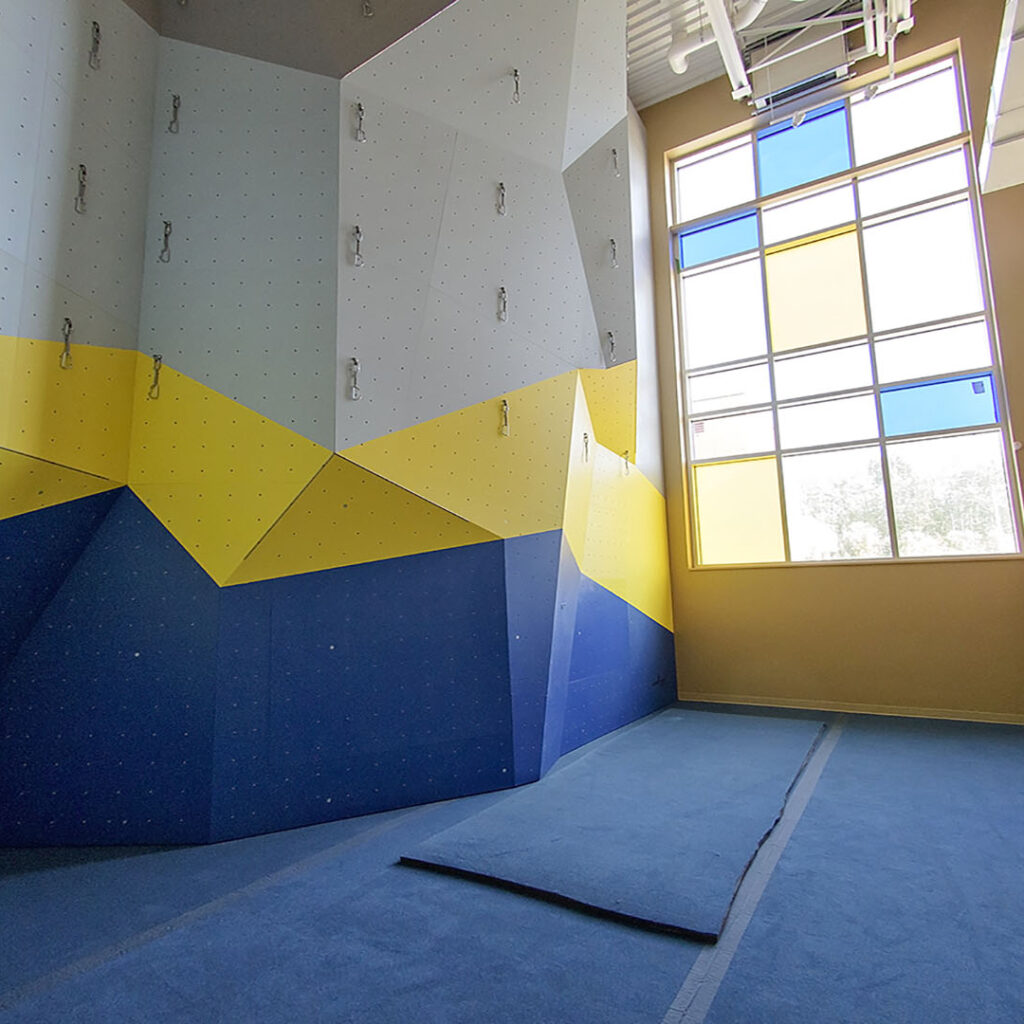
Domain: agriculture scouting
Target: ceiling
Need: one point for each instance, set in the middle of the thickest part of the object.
(1002, 155)
(649, 28)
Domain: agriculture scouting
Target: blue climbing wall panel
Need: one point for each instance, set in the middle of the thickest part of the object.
(37, 551)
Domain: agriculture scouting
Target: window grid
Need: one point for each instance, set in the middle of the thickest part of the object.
(879, 441)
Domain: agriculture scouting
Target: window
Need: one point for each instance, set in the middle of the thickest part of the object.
(843, 397)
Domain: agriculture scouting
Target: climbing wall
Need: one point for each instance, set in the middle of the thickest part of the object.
(67, 107)
(242, 297)
(392, 529)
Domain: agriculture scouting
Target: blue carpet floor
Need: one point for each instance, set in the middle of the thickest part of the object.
(347, 935)
(898, 898)
(655, 825)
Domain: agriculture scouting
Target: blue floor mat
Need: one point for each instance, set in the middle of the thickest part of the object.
(655, 824)
(898, 899)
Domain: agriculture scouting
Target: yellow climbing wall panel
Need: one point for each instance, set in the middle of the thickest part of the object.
(79, 417)
(611, 397)
(28, 484)
(215, 473)
(348, 515)
(579, 476)
(626, 547)
(508, 485)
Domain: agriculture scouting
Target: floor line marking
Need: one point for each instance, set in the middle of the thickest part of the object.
(698, 991)
(93, 960)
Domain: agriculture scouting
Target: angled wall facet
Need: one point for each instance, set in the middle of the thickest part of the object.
(346, 516)
(457, 68)
(599, 195)
(246, 303)
(215, 473)
(509, 484)
(597, 92)
(107, 708)
(38, 548)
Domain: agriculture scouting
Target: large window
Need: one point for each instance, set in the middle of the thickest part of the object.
(843, 395)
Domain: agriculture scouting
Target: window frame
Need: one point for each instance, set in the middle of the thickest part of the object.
(720, 142)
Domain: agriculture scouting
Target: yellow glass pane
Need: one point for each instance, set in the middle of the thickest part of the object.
(738, 514)
(814, 291)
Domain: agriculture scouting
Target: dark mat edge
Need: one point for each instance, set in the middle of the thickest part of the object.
(560, 899)
(811, 750)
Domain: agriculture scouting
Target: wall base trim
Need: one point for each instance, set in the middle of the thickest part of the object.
(893, 711)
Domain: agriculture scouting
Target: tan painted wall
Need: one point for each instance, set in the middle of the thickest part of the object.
(937, 638)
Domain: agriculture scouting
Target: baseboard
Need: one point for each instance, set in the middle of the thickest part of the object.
(890, 710)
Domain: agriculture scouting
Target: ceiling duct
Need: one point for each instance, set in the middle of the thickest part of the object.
(780, 72)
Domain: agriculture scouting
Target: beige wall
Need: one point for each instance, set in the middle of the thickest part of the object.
(936, 638)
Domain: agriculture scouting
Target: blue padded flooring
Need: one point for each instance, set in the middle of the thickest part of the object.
(898, 899)
(655, 825)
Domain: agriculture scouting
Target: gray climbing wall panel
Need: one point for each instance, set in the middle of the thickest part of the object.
(648, 404)
(597, 93)
(599, 195)
(65, 113)
(457, 192)
(246, 302)
(457, 68)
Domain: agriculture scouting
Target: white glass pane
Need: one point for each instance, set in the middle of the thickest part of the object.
(964, 347)
(923, 267)
(723, 314)
(843, 419)
(726, 436)
(722, 178)
(805, 216)
(950, 496)
(937, 176)
(729, 389)
(905, 116)
(835, 505)
(839, 369)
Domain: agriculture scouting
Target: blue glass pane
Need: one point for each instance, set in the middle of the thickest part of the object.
(788, 156)
(718, 240)
(940, 405)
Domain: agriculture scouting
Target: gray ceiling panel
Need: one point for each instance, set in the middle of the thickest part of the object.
(326, 37)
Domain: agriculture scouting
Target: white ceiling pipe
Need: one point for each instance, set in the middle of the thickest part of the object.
(685, 43)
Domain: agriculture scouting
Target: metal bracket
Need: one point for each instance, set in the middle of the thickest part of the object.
(516, 94)
(615, 163)
(505, 429)
(586, 446)
(501, 199)
(625, 459)
(154, 387)
(173, 125)
(360, 131)
(367, 9)
(65, 356)
(502, 304)
(165, 252)
(611, 346)
(94, 49)
(353, 372)
(357, 247)
(83, 175)
(614, 253)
